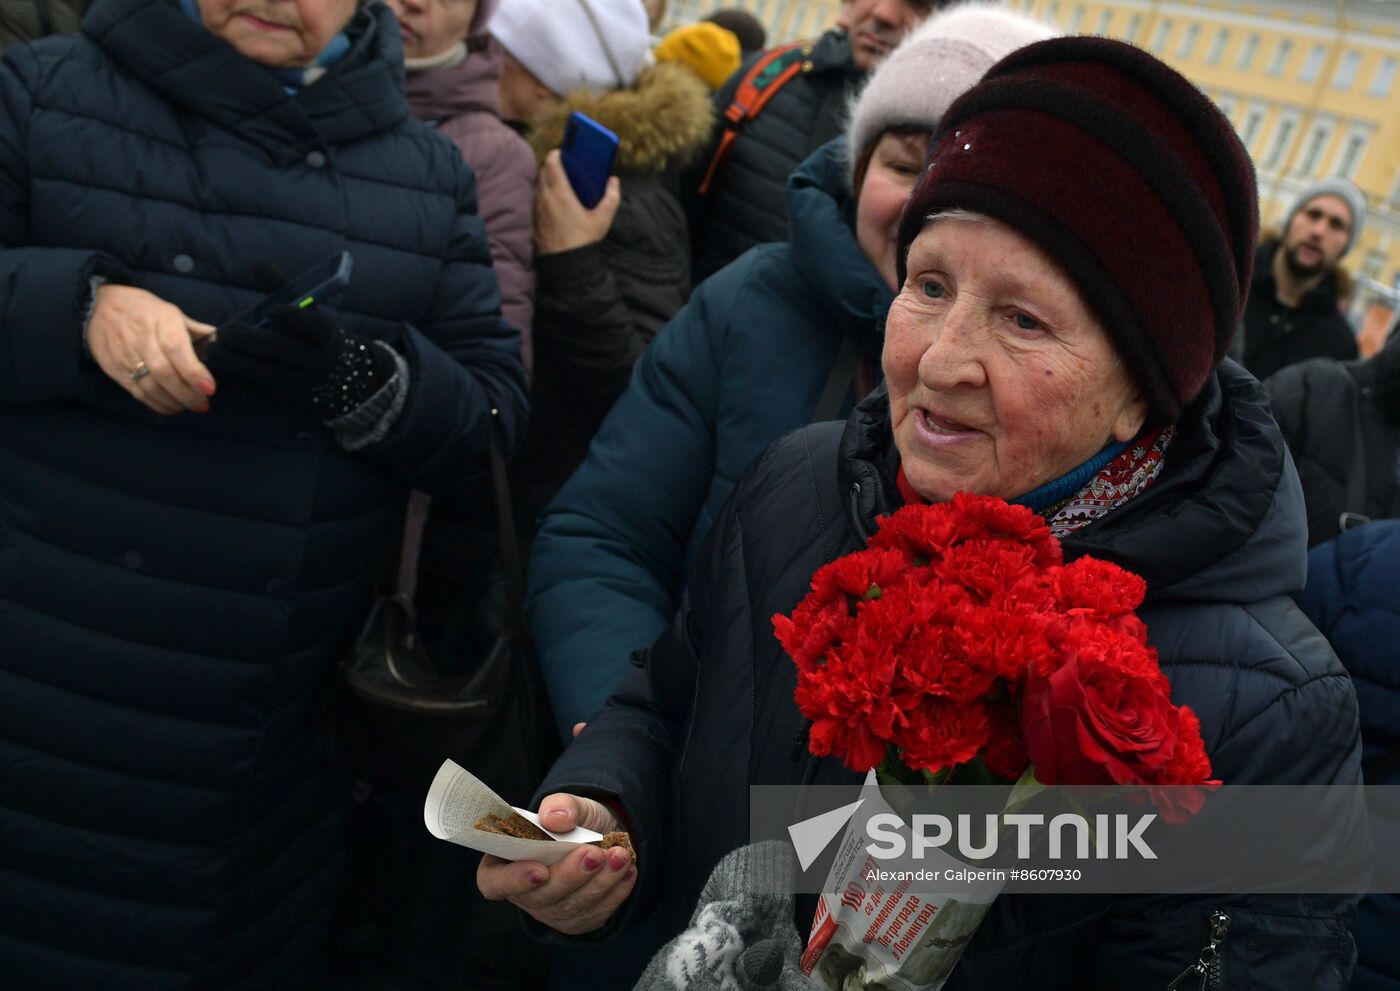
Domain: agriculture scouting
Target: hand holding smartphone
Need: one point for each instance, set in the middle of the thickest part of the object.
(588, 152)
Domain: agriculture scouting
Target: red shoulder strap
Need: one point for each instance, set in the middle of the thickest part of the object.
(756, 88)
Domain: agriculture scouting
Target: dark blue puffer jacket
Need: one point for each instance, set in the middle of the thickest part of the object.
(1353, 595)
(175, 592)
(741, 365)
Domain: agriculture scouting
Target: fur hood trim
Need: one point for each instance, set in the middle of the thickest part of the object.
(663, 121)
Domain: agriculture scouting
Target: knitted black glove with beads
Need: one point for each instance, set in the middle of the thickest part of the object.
(306, 358)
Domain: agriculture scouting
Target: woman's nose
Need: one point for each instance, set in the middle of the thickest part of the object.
(954, 355)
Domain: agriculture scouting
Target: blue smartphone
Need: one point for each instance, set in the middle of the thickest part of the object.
(588, 152)
(307, 289)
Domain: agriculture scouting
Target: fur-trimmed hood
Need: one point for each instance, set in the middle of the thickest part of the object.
(662, 122)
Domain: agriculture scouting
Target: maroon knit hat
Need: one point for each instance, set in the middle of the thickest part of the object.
(1129, 178)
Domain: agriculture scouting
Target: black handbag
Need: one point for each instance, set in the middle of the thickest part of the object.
(488, 711)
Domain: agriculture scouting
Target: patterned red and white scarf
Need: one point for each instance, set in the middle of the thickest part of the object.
(1124, 478)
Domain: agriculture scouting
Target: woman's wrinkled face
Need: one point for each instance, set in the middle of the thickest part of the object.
(1000, 378)
(283, 34)
(431, 27)
(889, 179)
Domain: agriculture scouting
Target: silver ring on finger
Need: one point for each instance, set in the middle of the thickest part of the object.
(139, 371)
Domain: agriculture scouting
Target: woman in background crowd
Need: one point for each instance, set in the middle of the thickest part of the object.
(453, 84)
(608, 277)
(189, 528)
(788, 334)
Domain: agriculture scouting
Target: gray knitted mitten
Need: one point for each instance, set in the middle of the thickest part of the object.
(741, 935)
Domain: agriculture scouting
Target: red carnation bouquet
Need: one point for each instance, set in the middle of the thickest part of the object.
(959, 647)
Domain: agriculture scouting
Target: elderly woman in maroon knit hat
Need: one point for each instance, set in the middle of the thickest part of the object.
(1072, 266)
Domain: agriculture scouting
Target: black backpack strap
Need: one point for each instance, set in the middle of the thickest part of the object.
(769, 73)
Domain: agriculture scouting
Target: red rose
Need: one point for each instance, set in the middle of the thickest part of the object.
(1187, 774)
(1092, 722)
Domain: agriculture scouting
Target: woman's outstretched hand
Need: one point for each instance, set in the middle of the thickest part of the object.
(581, 892)
(146, 346)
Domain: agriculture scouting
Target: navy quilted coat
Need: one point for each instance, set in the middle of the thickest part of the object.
(175, 592)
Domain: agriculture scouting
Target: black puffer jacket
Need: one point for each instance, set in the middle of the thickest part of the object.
(745, 205)
(598, 307)
(176, 592)
(1276, 336)
(1342, 423)
(1218, 538)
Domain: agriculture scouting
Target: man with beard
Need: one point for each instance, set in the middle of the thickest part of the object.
(1294, 301)
(736, 191)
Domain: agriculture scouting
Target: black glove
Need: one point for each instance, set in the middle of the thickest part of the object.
(305, 357)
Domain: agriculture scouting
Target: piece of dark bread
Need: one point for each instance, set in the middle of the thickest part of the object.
(514, 824)
(517, 825)
(617, 839)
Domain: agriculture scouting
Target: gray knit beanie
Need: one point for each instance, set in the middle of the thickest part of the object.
(1334, 186)
(741, 935)
(933, 66)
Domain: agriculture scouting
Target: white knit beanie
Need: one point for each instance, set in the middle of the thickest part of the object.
(575, 44)
(934, 65)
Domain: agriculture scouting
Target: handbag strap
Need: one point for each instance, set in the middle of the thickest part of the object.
(511, 564)
(415, 522)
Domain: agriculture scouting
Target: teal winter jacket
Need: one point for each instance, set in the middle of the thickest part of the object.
(743, 364)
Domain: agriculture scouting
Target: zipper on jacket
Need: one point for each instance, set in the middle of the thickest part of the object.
(1209, 966)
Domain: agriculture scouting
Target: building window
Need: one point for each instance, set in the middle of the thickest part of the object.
(1281, 55)
(1188, 40)
(1217, 47)
(1385, 76)
(1313, 65)
(1346, 71)
(1250, 130)
(1351, 155)
(1283, 137)
(1247, 53)
(1075, 19)
(1134, 23)
(1312, 153)
(1101, 29)
(1159, 37)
